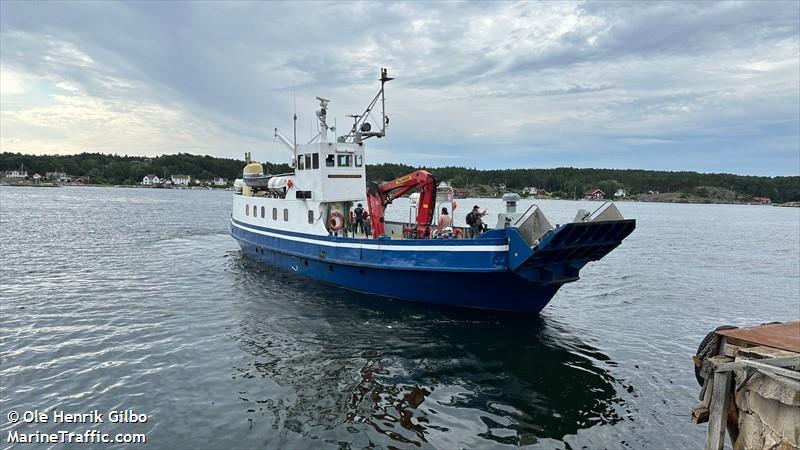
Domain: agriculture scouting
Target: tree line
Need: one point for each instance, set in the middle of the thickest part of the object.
(115, 169)
(562, 181)
(569, 181)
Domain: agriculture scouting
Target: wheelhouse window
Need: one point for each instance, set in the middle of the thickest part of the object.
(310, 216)
(300, 162)
(285, 215)
(308, 160)
(262, 212)
(359, 160)
(315, 160)
(329, 161)
(274, 213)
(345, 160)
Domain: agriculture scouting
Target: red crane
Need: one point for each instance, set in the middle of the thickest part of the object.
(378, 196)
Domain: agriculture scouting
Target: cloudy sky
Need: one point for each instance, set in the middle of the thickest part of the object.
(712, 87)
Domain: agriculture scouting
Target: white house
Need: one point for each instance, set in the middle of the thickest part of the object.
(55, 175)
(36, 177)
(219, 181)
(621, 193)
(534, 191)
(182, 180)
(16, 173)
(151, 179)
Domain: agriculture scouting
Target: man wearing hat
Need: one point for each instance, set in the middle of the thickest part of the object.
(475, 221)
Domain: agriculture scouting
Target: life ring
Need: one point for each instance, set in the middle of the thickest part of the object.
(336, 222)
(458, 233)
(289, 184)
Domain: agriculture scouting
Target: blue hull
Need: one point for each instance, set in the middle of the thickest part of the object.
(488, 290)
(497, 271)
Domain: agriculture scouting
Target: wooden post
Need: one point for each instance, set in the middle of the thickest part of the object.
(715, 439)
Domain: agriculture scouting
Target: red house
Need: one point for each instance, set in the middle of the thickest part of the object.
(595, 194)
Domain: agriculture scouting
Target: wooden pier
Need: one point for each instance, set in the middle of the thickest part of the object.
(750, 381)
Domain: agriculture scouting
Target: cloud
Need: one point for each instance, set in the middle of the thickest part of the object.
(11, 83)
(534, 83)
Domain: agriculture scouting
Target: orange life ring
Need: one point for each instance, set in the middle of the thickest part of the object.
(336, 222)
(458, 233)
(289, 184)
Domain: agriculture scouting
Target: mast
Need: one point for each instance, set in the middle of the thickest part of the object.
(385, 121)
(294, 117)
(361, 128)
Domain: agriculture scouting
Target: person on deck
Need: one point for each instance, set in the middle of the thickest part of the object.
(358, 216)
(367, 223)
(475, 221)
(445, 221)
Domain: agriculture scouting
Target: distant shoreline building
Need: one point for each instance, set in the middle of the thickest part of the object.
(182, 180)
(55, 175)
(150, 180)
(16, 173)
(534, 191)
(595, 194)
(219, 181)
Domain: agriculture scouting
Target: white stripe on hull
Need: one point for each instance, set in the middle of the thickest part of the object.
(402, 248)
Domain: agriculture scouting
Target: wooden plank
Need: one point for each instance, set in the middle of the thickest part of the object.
(718, 417)
(785, 336)
(777, 366)
(763, 352)
(729, 349)
(700, 412)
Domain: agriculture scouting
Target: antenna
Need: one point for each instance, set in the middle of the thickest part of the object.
(361, 128)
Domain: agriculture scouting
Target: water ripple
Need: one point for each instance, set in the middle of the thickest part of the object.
(118, 299)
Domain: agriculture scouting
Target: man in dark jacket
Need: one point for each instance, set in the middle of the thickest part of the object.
(358, 219)
(475, 221)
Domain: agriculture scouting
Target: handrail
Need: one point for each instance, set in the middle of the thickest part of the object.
(525, 214)
(600, 207)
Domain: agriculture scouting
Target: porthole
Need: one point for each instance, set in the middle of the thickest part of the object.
(247, 210)
(310, 216)
(285, 215)
(262, 212)
(274, 213)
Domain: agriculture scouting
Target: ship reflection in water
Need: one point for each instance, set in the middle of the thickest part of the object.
(356, 370)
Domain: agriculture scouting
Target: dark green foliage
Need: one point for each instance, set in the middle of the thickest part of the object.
(114, 169)
(568, 180)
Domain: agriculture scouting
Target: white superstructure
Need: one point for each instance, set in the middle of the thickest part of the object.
(329, 177)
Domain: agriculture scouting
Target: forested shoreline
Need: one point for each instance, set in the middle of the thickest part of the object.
(561, 182)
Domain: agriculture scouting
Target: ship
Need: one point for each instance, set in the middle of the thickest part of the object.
(325, 221)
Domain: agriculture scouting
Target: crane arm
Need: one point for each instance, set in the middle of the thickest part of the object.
(379, 196)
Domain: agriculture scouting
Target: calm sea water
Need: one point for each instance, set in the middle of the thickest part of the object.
(119, 299)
